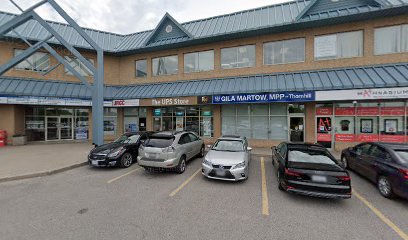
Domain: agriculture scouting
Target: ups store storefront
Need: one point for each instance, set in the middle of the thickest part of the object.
(349, 117)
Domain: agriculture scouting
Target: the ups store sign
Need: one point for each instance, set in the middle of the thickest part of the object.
(175, 101)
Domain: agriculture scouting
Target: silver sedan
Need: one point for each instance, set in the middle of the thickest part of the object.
(228, 159)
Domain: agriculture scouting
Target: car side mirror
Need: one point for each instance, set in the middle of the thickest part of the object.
(249, 149)
(209, 146)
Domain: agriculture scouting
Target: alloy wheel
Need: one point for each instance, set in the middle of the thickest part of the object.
(127, 160)
(384, 186)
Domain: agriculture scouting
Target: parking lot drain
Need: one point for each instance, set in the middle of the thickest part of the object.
(83, 210)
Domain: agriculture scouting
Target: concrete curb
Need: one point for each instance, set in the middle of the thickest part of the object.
(42, 174)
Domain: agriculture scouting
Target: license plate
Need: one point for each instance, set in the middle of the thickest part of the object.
(221, 173)
(321, 179)
(151, 155)
(94, 162)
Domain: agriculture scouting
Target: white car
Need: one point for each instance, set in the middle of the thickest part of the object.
(228, 159)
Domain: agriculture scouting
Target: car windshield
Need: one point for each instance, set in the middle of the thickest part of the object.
(228, 145)
(310, 156)
(159, 142)
(403, 154)
(127, 139)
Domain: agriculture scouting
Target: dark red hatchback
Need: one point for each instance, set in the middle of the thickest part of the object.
(310, 169)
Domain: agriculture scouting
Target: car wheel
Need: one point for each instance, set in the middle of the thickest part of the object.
(280, 182)
(181, 167)
(202, 151)
(344, 162)
(385, 187)
(126, 160)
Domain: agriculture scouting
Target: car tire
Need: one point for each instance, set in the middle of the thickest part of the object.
(344, 162)
(280, 187)
(201, 154)
(181, 167)
(126, 160)
(384, 187)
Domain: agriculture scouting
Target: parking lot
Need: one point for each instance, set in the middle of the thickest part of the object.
(99, 203)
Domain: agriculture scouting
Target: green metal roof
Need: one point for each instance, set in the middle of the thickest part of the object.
(378, 76)
(286, 16)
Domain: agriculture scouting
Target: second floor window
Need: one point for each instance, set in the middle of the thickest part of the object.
(238, 57)
(199, 61)
(78, 66)
(287, 51)
(38, 62)
(340, 45)
(392, 39)
(165, 65)
(141, 68)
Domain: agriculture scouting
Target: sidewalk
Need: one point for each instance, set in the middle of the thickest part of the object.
(32, 160)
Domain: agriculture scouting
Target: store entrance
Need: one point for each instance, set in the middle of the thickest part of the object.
(59, 128)
(296, 133)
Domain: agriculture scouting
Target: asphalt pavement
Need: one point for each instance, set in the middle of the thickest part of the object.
(93, 203)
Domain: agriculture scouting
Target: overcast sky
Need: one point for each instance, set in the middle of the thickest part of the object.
(128, 16)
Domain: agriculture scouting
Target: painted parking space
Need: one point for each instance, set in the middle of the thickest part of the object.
(201, 208)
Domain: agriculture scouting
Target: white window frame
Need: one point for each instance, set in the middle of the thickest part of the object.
(199, 69)
(286, 40)
(337, 46)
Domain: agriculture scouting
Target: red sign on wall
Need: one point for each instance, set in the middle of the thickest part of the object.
(392, 138)
(324, 111)
(345, 111)
(368, 111)
(345, 138)
(367, 138)
(392, 111)
(324, 137)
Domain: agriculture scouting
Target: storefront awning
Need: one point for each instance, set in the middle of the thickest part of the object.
(379, 76)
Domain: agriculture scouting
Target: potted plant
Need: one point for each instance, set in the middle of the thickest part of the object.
(19, 139)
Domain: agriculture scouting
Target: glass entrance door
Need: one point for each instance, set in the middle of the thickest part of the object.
(52, 129)
(66, 128)
(296, 132)
(59, 128)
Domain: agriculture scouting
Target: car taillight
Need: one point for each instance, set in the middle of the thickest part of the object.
(292, 173)
(168, 149)
(404, 173)
(344, 178)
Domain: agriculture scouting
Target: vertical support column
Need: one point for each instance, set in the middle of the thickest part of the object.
(97, 102)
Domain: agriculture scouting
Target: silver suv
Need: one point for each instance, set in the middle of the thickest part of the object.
(170, 150)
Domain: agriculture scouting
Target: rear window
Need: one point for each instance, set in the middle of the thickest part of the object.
(403, 154)
(310, 156)
(159, 142)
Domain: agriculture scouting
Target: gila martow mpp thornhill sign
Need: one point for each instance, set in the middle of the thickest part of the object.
(265, 97)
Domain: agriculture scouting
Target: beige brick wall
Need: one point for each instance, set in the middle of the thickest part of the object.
(111, 65)
(127, 64)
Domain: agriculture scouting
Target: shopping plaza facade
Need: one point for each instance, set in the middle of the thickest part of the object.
(333, 72)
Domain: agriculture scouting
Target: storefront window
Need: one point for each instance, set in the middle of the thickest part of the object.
(54, 123)
(296, 108)
(324, 124)
(344, 125)
(190, 118)
(392, 123)
(110, 121)
(257, 121)
(367, 122)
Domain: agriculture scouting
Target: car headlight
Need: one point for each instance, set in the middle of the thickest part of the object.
(207, 162)
(239, 165)
(116, 152)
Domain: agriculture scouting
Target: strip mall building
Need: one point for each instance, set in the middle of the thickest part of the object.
(334, 72)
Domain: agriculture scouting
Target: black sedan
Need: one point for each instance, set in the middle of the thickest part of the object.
(309, 169)
(122, 152)
(385, 164)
